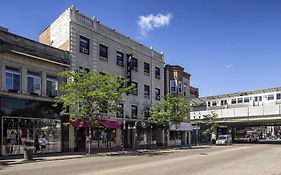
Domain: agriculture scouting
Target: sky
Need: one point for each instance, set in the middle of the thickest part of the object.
(226, 45)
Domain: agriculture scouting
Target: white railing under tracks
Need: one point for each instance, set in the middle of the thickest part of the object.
(252, 111)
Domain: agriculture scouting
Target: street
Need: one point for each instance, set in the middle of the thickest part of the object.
(216, 160)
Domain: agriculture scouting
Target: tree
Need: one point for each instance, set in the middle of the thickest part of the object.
(87, 93)
(209, 123)
(170, 110)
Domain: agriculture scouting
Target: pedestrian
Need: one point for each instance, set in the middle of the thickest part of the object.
(36, 143)
(43, 144)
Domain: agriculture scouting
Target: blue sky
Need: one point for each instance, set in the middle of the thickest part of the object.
(227, 45)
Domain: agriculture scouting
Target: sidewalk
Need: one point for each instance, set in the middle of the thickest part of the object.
(65, 156)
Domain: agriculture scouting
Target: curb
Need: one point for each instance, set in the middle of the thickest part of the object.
(118, 153)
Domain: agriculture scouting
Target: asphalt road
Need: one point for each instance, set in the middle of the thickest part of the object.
(243, 159)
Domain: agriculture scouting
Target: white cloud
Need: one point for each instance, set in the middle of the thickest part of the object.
(150, 22)
(228, 66)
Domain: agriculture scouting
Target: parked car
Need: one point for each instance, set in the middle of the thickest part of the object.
(224, 140)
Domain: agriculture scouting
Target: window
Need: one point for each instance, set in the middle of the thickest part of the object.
(120, 110)
(135, 86)
(246, 100)
(173, 86)
(157, 72)
(146, 112)
(157, 94)
(134, 64)
(103, 52)
(103, 108)
(84, 69)
(278, 96)
(84, 45)
(209, 103)
(52, 86)
(33, 83)
(120, 59)
(223, 102)
(240, 100)
(184, 90)
(146, 68)
(258, 98)
(270, 97)
(13, 79)
(214, 103)
(180, 87)
(134, 111)
(146, 91)
(233, 101)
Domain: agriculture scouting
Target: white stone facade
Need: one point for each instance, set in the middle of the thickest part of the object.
(65, 33)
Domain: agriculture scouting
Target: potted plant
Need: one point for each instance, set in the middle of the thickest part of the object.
(28, 153)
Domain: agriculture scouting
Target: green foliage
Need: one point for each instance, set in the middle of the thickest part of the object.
(89, 93)
(170, 110)
(209, 123)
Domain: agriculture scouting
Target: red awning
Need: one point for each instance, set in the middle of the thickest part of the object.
(80, 123)
(112, 124)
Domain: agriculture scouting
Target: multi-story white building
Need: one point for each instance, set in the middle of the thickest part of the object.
(103, 50)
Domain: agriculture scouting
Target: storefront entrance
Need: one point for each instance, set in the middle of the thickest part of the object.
(80, 139)
(18, 132)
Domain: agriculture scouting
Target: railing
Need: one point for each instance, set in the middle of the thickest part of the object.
(83, 20)
(252, 111)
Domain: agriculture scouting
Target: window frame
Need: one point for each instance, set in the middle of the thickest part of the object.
(84, 45)
(157, 96)
(120, 110)
(146, 71)
(54, 81)
(271, 97)
(157, 73)
(34, 77)
(134, 111)
(136, 90)
(223, 102)
(180, 87)
(120, 58)
(171, 86)
(233, 101)
(246, 101)
(144, 91)
(278, 96)
(184, 90)
(240, 100)
(134, 63)
(105, 55)
(13, 72)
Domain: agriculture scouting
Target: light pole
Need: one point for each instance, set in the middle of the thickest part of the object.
(123, 133)
(197, 130)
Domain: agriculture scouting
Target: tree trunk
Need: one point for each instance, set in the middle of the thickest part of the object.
(89, 140)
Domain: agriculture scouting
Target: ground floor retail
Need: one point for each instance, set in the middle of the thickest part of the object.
(24, 121)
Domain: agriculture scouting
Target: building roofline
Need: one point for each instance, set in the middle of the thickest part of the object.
(10, 43)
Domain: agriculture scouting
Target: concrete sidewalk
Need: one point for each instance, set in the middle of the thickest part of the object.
(64, 156)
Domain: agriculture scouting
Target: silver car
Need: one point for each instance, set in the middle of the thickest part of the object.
(224, 140)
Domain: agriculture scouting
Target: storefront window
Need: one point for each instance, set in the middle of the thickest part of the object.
(104, 137)
(20, 132)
